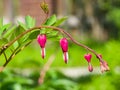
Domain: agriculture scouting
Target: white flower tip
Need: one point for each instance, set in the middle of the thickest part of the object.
(43, 52)
(65, 57)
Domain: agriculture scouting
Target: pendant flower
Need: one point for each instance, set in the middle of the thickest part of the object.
(103, 64)
(88, 58)
(64, 46)
(41, 39)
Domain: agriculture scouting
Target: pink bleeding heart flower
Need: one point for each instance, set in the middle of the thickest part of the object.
(90, 68)
(104, 66)
(88, 57)
(41, 38)
(64, 46)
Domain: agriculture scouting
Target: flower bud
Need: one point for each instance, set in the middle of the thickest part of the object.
(99, 56)
(90, 68)
(64, 46)
(42, 41)
(104, 66)
(88, 57)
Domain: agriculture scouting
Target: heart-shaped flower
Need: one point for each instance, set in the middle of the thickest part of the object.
(64, 46)
(42, 41)
(88, 57)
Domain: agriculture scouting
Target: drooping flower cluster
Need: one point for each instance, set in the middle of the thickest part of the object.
(64, 46)
(63, 43)
(103, 64)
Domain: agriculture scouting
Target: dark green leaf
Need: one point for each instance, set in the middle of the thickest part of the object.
(9, 32)
(4, 28)
(50, 21)
(3, 41)
(12, 37)
(60, 21)
(22, 25)
(30, 22)
(18, 31)
(34, 35)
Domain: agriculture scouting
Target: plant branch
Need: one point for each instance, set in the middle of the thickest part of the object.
(46, 17)
(47, 14)
(54, 28)
(5, 56)
(46, 68)
(16, 51)
(10, 58)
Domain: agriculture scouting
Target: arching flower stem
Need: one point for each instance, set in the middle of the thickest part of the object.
(54, 28)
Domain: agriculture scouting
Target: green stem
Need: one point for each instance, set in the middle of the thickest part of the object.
(5, 56)
(11, 56)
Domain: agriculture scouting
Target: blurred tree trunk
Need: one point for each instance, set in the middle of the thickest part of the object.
(9, 10)
(63, 7)
(97, 29)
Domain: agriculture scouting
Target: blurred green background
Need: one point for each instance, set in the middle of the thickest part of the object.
(94, 23)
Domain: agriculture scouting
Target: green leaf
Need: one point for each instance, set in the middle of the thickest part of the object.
(10, 31)
(50, 21)
(45, 30)
(18, 31)
(3, 41)
(22, 25)
(11, 36)
(4, 27)
(34, 35)
(55, 38)
(60, 21)
(30, 22)
(53, 33)
(16, 44)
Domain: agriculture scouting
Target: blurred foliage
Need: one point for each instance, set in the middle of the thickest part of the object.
(108, 14)
(54, 80)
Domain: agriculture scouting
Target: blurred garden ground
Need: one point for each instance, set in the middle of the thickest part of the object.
(93, 23)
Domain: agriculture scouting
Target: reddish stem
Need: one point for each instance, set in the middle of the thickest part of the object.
(54, 28)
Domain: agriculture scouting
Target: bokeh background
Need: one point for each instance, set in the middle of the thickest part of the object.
(95, 23)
